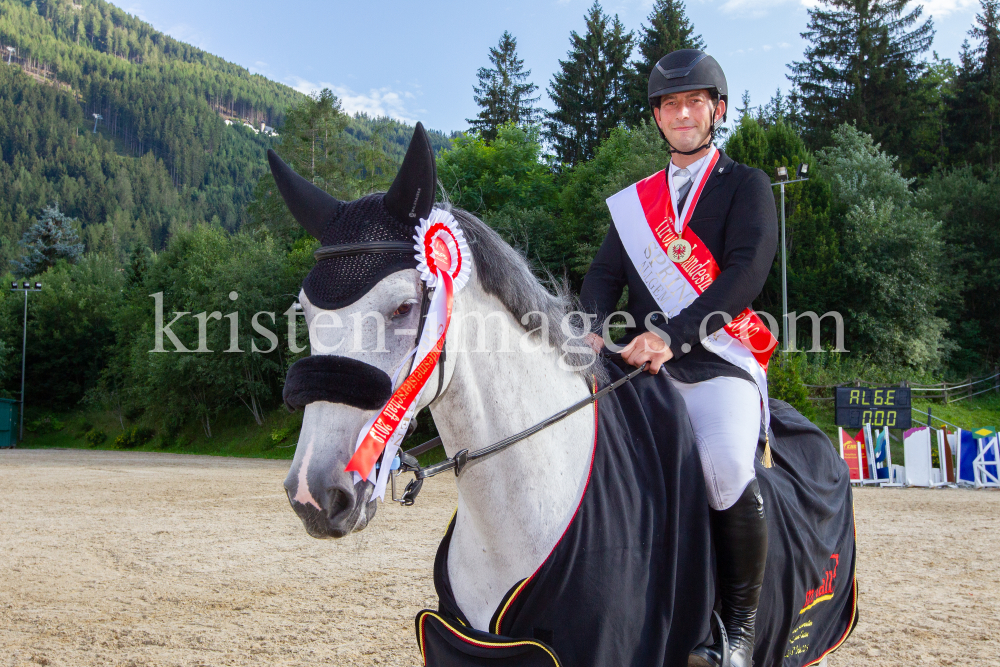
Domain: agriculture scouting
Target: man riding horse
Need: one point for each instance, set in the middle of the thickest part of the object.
(703, 199)
(584, 528)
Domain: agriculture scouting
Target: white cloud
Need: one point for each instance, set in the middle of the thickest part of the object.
(377, 102)
(754, 9)
(941, 8)
(183, 32)
(935, 8)
(135, 10)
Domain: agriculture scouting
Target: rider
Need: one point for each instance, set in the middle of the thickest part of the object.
(733, 215)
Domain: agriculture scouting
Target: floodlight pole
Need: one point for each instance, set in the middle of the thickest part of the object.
(24, 349)
(27, 287)
(784, 264)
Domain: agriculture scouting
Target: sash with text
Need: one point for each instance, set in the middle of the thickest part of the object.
(646, 220)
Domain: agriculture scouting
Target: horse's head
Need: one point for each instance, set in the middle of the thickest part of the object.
(362, 304)
(362, 310)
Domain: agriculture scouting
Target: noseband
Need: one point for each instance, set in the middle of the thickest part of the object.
(336, 379)
(408, 459)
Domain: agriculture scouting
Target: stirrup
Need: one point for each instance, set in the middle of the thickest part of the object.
(720, 648)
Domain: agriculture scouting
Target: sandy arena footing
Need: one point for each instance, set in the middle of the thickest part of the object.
(138, 559)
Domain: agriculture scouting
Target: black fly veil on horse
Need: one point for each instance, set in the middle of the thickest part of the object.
(363, 241)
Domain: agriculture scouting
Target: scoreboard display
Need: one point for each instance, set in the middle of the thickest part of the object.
(878, 406)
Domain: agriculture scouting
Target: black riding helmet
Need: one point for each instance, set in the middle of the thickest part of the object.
(688, 69)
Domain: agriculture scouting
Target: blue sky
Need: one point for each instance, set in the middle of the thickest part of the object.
(418, 60)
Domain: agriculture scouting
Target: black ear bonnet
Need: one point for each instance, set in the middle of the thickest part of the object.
(336, 380)
(393, 216)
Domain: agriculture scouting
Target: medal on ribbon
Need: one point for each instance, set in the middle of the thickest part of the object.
(679, 250)
(445, 264)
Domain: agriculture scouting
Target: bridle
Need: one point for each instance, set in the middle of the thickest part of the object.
(382, 247)
(408, 458)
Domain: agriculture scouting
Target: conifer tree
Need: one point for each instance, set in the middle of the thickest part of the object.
(862, 66)
(504, 93)
(47, 241)
(975, 109)
(315, 145)
(669, 29)
(591, 88)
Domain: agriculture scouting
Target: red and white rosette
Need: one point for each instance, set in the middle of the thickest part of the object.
(440, 243)
(445, 264)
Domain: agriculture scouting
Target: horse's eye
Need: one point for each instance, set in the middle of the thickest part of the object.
(403, 309)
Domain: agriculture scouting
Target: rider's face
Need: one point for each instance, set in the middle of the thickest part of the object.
(686, 118)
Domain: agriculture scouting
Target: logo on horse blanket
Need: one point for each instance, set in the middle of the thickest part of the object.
(824, 591)
(631, 580)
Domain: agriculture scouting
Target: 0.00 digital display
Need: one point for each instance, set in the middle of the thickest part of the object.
(878, 406)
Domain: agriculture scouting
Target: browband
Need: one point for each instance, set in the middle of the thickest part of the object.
(344, 249)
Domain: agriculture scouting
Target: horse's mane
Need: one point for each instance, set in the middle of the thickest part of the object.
(504, 273)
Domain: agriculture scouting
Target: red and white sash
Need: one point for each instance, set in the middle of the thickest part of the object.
(645, 218)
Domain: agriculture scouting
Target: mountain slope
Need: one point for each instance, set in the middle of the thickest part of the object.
(162, 154)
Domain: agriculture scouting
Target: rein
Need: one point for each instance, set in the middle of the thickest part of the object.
(408, 459)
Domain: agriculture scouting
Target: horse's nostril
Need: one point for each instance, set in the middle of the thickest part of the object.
(337, 502)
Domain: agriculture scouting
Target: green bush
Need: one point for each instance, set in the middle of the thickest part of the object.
(784, 382)
(44, 425)
(137, 436)
(167, 440)
(96, 437)
(279, 435)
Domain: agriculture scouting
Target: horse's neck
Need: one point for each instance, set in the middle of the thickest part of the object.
(514, 506)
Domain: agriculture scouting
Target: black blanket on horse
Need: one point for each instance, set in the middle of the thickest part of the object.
(631, 580)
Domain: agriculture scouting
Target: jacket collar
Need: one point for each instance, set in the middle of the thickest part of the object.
(721, 169)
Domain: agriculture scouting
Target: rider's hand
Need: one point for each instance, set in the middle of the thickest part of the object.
(647, 347)
(595, 342)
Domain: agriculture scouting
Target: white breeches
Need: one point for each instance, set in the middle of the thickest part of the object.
(725, 414)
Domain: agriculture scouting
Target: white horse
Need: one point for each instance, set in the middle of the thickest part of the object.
(498, 380)
(514, 357)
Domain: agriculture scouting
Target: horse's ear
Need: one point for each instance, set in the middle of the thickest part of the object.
(312, 207)
(411, 195)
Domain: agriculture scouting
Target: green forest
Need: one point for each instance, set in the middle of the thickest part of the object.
(133, 176)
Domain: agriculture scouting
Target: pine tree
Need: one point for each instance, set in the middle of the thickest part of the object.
(669, 29)
(504, 91)
(315, 145)
(975, 109)
(862, 67)
(47, 241)
(591, 89)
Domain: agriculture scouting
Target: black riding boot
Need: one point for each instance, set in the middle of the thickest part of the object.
(740, 536)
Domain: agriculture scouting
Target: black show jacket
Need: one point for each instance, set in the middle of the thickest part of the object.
(735, 218)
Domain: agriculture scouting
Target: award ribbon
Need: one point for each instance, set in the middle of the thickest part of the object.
(444, 264)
